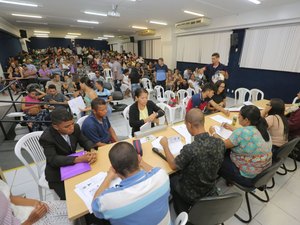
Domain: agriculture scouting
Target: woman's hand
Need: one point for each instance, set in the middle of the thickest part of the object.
(212, 130)
(40, 209)
(228, 126)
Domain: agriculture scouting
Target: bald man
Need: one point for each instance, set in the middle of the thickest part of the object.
(198, 164)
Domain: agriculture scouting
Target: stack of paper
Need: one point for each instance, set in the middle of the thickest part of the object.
(221, 119)
(175, 144)
(182, 130)
(87, 189)
(222, 132)
(234, 109)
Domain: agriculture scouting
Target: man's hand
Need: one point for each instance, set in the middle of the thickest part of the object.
(228, 126)
(212, 130)
(164, 142)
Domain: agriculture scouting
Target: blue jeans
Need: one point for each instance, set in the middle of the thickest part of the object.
(133, 88)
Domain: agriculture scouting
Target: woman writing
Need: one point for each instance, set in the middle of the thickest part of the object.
(143, 111)
(250, 147)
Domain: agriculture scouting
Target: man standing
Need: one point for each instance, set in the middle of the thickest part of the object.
(198, 162)
(216, 70)
(116, 69)
(160, 73)
(96, 126)
(59, 141)
(141, 197)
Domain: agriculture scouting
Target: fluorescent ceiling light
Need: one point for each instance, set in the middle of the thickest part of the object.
(71, 37)
(108, 36)
(19, 3)
(138, 27)
(105, 38)
(157, 22)
(41, 32)
(81, 26)
(193, 13)
(23, 15)
(31, 22)
(255, 2)
(95, 13)
(87, 21)
(74, 34)
(42, 36)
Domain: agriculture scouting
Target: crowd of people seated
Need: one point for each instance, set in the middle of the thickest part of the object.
(240, 158)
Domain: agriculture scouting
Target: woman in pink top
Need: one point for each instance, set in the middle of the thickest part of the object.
(34, 112)
(277, 122)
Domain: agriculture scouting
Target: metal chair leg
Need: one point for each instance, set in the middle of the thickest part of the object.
(261, 199)
(273, 184)
(285, 170)
(249, 210)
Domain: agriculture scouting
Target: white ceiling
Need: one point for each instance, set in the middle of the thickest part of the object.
(62, 15)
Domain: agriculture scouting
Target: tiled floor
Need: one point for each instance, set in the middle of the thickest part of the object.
(283, 208)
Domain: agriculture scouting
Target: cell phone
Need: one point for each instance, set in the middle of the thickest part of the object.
(156, 151)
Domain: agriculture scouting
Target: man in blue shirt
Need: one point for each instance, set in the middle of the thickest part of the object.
(142, 196)
(104, 94)
(160, 73)
(216, 68)
(96, 126)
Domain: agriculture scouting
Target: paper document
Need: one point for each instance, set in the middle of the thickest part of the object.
(233, 109)
(221, 119)
(87, 189)
(147, 138)
(175, 144)
(182, 130)
(145, 127)
(248, 103)
(222, 132)
(76, 104)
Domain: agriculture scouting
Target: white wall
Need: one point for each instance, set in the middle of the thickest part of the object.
(4, 25)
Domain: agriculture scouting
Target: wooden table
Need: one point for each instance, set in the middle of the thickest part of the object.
(76, 207)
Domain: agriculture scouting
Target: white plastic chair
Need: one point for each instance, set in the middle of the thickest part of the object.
(147, 84)
(255, 94)
(30, 143)
(181, 219)
(181, 95)
(168, 95)
(295, 99)
(159, 90)
(81, 120)
(240, 95)
(191, 91)
(126, 117)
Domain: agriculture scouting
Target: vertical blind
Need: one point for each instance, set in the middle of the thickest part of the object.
(151, 49)
(199, 48)
(273, 48)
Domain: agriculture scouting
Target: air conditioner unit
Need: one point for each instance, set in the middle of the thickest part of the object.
(147, 32)
(188, 24)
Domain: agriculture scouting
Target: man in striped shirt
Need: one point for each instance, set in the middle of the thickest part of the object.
(142, 196)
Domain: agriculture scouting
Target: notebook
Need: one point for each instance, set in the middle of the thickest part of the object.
(67, 172)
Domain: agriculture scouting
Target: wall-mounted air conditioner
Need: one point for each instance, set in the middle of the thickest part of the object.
(188, 24)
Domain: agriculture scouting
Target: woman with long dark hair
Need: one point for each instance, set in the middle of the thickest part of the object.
(277, 122)
(249, 147)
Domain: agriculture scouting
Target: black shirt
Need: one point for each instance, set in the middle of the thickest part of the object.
(218, 98)
(211, 70)
(199, 163)
(134, 76)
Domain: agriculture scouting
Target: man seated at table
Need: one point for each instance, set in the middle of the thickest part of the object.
(142, 196)
(198, 164)
(54, 97)
(59, 141)
(96, 126)
(202, 99)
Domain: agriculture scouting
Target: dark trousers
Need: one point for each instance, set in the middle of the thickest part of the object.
(161, 83)
(180, 204)
(59, 189)
(230, 172)
(117, 84)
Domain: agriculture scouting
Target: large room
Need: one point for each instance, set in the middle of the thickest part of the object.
(139, 112)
